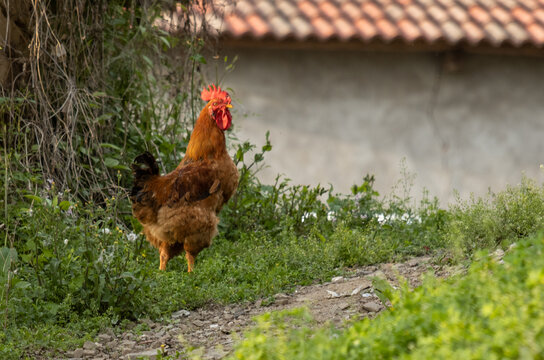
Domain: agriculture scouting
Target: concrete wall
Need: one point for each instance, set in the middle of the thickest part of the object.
(336, 116)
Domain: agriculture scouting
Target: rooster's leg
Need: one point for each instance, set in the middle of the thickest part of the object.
(190, 261)
(164, 256)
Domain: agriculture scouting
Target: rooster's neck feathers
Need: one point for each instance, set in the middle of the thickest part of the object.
(207, 140)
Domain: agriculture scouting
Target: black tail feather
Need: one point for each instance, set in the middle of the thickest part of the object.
(143, 167)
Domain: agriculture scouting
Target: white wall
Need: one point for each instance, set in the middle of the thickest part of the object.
(336, 116)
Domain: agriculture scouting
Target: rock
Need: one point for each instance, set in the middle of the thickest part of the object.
(282, 301)
(111, 344)
(104, 338)
(77, 353)
(148, 354)
(198, 323)
(89, 345)
(366, 295)
(89, 353)
(337, 279)
(413, 262)
(181, 313)
(359, 289)
(214, 326)
(343, 306)
(372, 307)
(333, 294)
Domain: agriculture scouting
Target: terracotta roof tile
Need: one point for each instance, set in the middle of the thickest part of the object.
(493, 22)
(323, 28)
(501, 15)
(479, 14)
(352, 10)
(280, 27)
(394, 12)
(430, 31)
(345, 28)
(539, 15)
(372, 10)
(537, 33)
(452, 32)
(458, 13)
(329, 9)
(287, 9)
(495, 33)
(237, 26)
(308, 9)
(474, 33)
(258, 25)
(522, 15)
(386, 29)
(415, 12)
(409, 30)
(367, 30)
(438, 14)
(517, 33)
(301, 27)
(266, 9)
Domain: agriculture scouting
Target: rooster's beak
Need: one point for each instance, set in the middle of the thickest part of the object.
(229, 106)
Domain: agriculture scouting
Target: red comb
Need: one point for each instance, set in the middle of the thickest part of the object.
(213, 93)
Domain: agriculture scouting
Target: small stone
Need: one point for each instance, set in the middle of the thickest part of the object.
(181, 313)
(214, 326)
(359, 289)
(89, 353)
(333, 294)
(111, 344)
(77, 353)
(343, 306)
(337, 279)
(372, 307)
(198, 323)
(148, 354)
(366, 295)
(104, 338)
(413, 262)
(282, 301)
(89, 345)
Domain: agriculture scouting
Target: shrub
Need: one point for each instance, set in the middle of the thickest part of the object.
(496, 219)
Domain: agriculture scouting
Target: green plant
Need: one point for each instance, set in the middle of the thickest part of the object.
(492, 312)
(496, 219)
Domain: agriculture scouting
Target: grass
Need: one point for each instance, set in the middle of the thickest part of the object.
(492, 312)
(255, 264)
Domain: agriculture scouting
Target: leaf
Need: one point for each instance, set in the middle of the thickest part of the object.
(147, 60)
(64, 205)
(8, 256)
(382, 289)
(110, 162)
(34, 198)
(110, 146)
(99, 94)
(165, 41)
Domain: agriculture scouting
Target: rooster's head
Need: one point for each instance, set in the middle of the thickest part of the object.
(218, 106)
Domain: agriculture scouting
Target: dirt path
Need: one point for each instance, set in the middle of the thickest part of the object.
(212, 331)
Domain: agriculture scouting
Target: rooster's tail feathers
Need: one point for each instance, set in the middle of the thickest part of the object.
(143, 167)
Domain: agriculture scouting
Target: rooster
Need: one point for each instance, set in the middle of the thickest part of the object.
(179, 210)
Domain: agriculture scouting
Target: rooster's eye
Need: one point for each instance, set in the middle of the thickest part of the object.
(214, 104)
